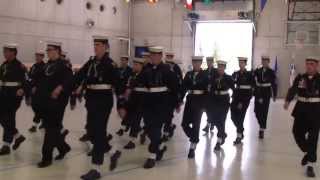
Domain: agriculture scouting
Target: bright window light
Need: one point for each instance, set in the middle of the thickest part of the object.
(225, 41)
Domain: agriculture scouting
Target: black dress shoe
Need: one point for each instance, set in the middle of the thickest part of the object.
(261, 134)
(304, 160)
(310, 172)
(217, 147)
(150, 163)
(18, 142)
(62, 154)
(206, 129)
(191, 154)
(65, 133)
(5, 150)
(130, 145)
(120, 132)
(91, 175)
(33, 129)
(109, 137)
(165, 138)
(114, 160)
(89, 153)
(143, 139)
(107, 148)
(161, 153)
(44, 164)
(84, 138)
(237, 141)
(171, 131)
(211, 127)
(41, 126)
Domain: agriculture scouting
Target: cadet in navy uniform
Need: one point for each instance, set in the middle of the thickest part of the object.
(159, 80)
(33, 76)
(220, 101)
(12, 88)
(265, 88)
(53, 89)
(306, 120)
(241, 97)
(195, 83)
(210, 71)
(135, 93)
(174, 104)
(100, 76)
(125, 71)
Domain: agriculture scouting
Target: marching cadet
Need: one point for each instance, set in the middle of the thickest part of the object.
(174, 104)
(210, 71)
(265, 88)
(12, 88)
(100, 76)
(220, 101)
(159, 80)
(135, 93)
(52, 89)
(147, 63)
(241, 97)
(125, 71)
(306, 122)
(196, 84)
(34, 75)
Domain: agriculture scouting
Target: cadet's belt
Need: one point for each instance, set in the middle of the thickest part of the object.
(140, 89)
(244, 87)
(196, 92)
(157, 89)
(99, 86)
(221, 92)
(10, 84)
(308, 100)
(263, 84)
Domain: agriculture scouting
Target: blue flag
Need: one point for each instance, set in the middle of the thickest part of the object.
(262, 4)
(275, 68)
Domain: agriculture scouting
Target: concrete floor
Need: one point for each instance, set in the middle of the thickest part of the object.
(277, 157)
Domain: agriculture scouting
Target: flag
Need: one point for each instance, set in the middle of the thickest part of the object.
(292, 68)
(275, 68)
(262, 4)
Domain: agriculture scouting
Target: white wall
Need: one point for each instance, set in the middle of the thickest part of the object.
(27, 22)
(162, 24)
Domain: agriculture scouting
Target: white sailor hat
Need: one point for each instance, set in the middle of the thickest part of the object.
(54, 44)
(265, 57)
(124, 57)
(11, 46)
(242, 59)
(156, 49)
(209, 58)
(99, 38)
(197, 58)
(313, 58)
(139, 60)
(64, 53)
(221, 62)
(145, 53)
(40, 52)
